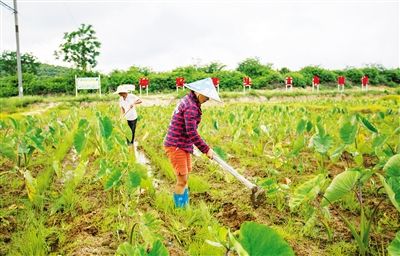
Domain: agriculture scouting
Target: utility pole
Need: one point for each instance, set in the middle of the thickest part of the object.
(19, 68)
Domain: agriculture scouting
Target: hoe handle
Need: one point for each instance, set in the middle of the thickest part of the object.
(124, 115)
(232, 171)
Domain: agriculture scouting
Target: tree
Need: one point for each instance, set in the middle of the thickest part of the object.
(213, 67)
(80, 47)
(253, 68)
(8, 63)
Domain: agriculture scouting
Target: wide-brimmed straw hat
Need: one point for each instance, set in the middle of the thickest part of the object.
(125, 88)
(205, 87)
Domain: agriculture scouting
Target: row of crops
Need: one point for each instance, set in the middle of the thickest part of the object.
(331, 171)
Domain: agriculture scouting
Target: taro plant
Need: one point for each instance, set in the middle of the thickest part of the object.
(394, 247)
(144, 238)
(352, 181)
(157, 249)
(321, 142)
(252, 239)
(275, 192)
(303, 200)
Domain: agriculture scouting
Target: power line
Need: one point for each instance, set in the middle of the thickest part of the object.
(7, 6)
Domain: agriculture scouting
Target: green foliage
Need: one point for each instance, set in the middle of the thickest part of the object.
(341, 185)
(394, 247)
(113, 180)
(80, 47)
(213, 67)
(252, 67)
(220, 152)
(367, 124)
(8, 63)
(326, 76)
(106, 126)
(353, 75)
(348, 133)
(134, 179)
(80, 135)
(158, 249)
(391, 181)
(322, 142)
(49, 79)
(268, 242)
(307, 191)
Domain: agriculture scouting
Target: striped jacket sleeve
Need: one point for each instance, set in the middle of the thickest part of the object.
(190, 115)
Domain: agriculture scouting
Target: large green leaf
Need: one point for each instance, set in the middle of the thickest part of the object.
(258, 239)
(133, 179)
(158, 249)
(395, 199)
(298, 145)
(37, 140)
(113, 180)
(394, 247)
(392, 167)
(7, 151)
(338, 152)
(348, 133)
(14, 123)
(368, 125)
(341, 185)
(301, 126)
(306, 191)
(83, 123)
(105, 126)
(391, 182)
(126, 249)
(309, 126)
(322, 143)
(103, 169)
(320, 127)
(79, 140)
(379, 140)
(231, 118)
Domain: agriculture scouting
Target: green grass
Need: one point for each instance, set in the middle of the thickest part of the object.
(16, 104)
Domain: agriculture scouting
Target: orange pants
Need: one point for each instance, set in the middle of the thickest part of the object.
(179, 159)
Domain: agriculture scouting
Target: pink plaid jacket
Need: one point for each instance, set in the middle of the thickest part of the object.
(182, 131)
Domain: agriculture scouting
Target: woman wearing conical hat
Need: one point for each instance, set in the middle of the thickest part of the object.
(182, 135)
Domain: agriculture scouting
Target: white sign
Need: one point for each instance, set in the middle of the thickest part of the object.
(87, 83)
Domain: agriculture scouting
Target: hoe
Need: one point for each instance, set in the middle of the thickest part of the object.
(257, 196)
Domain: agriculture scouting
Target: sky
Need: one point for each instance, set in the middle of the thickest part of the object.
(165, 34)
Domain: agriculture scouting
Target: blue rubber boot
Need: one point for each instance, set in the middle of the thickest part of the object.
(186, 194)
(179, 200)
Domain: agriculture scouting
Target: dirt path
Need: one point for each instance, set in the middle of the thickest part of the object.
(41, 108)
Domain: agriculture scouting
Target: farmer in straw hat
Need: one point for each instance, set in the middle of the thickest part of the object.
(127, 104)
(182, 134)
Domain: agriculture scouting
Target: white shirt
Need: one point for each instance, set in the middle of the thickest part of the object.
(125, 104)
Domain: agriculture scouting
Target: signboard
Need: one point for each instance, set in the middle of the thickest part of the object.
(180, 81)
(341, 82)
(246, 83)
(315, 83)
(87, 83)
(144, 84)
(216, 82)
